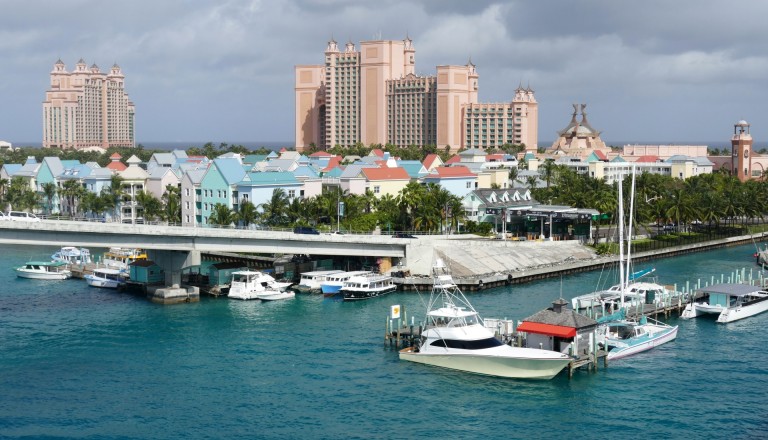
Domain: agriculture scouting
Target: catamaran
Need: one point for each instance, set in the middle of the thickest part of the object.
(455, 338)
(730, 302)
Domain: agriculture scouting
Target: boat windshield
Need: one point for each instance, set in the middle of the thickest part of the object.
(455, 321)
(467, 345)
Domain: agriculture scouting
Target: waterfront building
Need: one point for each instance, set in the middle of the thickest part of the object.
(743, 162)
(680, 167)
(159, 178)
(492, 125)
(385, 180)
(190, 197)
(633, 152)
(115, 164)
(134, 182)
(87, 108)
(458, 180)
(219, 186)
(5, 146)
(372, 95)
(258, 187)
(167, 160)
(578, 138)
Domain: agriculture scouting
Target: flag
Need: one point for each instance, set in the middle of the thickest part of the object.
(394, 312)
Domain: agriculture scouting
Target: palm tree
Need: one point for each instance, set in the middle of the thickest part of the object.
(73, 191)
(549, 169)
(275, 211)
(513, 173)
(3, 188)
(247, 213)
(221, 215)
(171, 211)
(115, 191)
(49, 191)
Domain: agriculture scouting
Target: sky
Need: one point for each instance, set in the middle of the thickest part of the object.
(653, 71)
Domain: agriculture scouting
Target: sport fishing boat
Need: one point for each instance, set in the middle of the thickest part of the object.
(119, 258)
(730, 302)
(367, 286)
(455, 338)
(44, 270)
(253, 284)
(106, 277)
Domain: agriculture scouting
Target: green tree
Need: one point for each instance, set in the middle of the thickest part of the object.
(247, 213)
(49, 192)
(275, 212)
(72, 191)
(149, 206)
(171, 209)
(221, 215)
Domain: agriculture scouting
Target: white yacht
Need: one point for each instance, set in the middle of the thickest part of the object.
(367, 286)
(456, 338)
(333, 283)
(44, 270)
(105, 277)
(624, 338)
(730, 302)
(72, 255)
(310, 281)
(249, 284)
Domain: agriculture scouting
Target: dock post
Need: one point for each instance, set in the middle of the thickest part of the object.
(386, 333)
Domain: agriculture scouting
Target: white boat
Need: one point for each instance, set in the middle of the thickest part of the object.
(44, 270)
(105, 277)
(730, 302)
(333, 283)
(310, 281)
(639, 292)
(367, 286)
(456, 338)
(119, 258)
(72, 255)
(624, 338)
(275, 295)
(249, 284)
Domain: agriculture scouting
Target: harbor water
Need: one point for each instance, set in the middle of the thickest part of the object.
(83, 362)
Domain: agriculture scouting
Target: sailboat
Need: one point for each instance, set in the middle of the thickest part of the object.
(455, 338)
(619, 336)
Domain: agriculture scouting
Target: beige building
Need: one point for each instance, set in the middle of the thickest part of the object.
(373, 96)
(87, 108)
(579, 139)
(493, 125)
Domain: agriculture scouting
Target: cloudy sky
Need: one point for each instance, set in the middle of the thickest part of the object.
(650, 71)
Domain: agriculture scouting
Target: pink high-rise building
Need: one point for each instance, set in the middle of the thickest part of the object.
(87, 108)
(373, 96)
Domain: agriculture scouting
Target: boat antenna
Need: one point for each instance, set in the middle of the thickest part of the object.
(621, 240)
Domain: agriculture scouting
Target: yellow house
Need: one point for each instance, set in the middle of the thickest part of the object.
(385, 180)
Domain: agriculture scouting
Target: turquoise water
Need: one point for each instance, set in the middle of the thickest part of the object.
(80, 362)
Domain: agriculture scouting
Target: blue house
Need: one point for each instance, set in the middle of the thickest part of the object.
(145, 271)
(257, 187)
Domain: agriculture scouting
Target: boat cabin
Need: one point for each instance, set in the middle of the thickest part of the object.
(220, 274)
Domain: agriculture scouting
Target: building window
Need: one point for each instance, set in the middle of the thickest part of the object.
(469, 184)
(187, 205)
(291, 193)
(376, 189)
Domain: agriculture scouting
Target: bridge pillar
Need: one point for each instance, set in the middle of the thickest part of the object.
(172, 262)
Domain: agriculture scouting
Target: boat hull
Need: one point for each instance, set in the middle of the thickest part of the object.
(509, 367)
(735, 313)
(43, 275)
(275, 296)
(331, 289)
(358, 295)
(101, 282)
(659, 339)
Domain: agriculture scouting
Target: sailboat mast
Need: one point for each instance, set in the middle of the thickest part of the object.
(630, 222)
(622, 283)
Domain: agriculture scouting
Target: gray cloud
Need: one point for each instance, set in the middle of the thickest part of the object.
(654, 71)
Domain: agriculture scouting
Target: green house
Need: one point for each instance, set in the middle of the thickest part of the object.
(145, 271)
(221, 273)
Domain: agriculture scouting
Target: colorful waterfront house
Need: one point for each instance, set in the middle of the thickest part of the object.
(146, 271)
(560, 329)
(352, 180)
(220, 274)
(456, 179)
(166, 160)
(258, 187)
(159, 178)
(253, 159)
(383, 181)
(311, 183)
(219, 186)
(471, 155)
(276, 165)
(48, 173)
(28, 172)
(91, 179)
(134, 182)
(7, 170)
(432, 161)
(190, 197)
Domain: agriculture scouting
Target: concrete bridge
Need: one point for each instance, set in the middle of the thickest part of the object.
(174, 247)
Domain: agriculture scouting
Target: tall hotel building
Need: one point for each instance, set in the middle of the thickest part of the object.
(87, 108)
(373, 96)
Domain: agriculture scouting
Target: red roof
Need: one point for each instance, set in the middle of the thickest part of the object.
(320, 154)
(430, 160)
(457, 171)
(333, 162)
(648, 159)
(378, 152)
(547, 329)
(397, 173)
(454, 159)
(600, 155)
(117, 166)
(498, 157)
(115, 156)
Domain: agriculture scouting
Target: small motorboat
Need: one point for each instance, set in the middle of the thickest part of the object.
(106, 277)
(44, 270)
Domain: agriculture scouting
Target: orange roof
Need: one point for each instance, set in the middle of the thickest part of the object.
(320, 154)
(115, 156)
(454, 159)
(381, 163)
(600, 155)
(333, 162)
(397, 173)
(117, 166)
(494, 157)
(378, 152)
(456, 171)
(430, 160)
(547, 329)
(648, 159)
